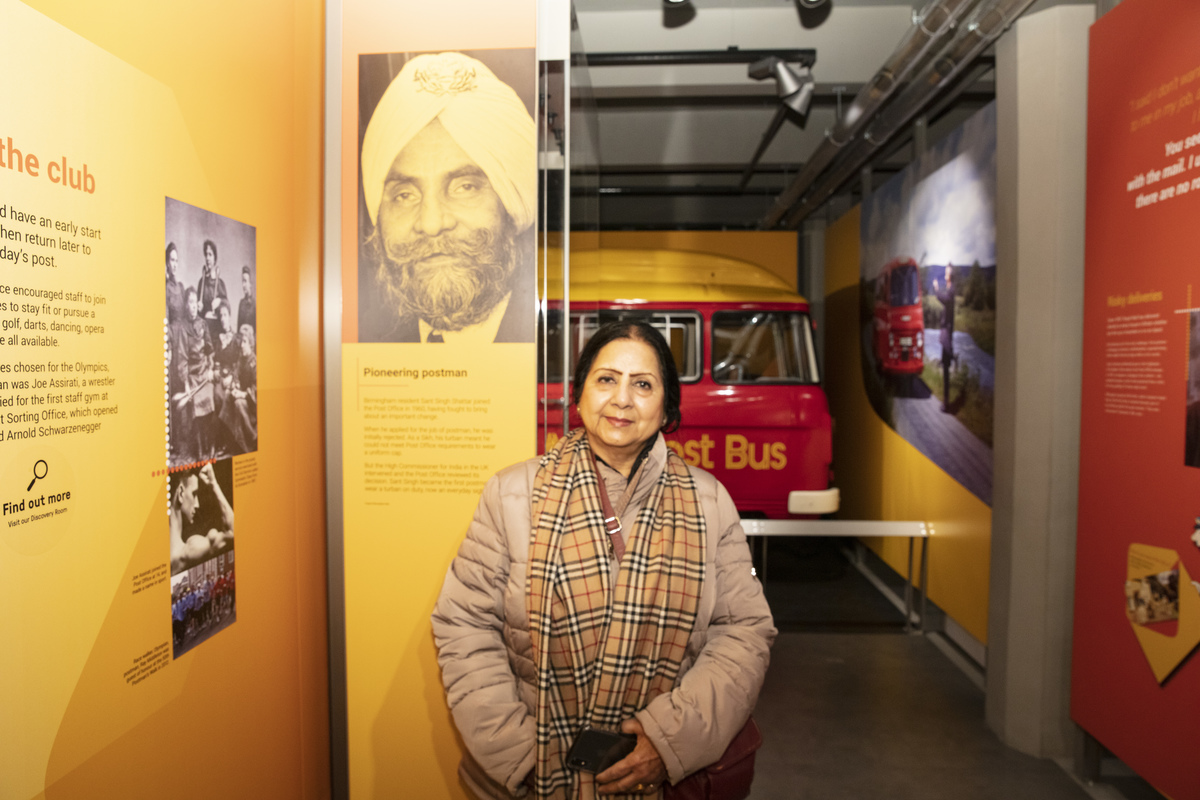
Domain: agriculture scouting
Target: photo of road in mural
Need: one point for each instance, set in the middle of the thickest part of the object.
(210, 344)
(928, 302)
(447, 150)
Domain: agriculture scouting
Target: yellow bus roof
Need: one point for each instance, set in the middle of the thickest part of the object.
(666, 276)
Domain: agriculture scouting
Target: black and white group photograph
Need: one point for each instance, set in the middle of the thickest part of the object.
(211, 335)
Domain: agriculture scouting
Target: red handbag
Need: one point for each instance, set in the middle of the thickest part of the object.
(729, 778)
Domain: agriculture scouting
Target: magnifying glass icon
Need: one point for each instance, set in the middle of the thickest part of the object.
(38, 475)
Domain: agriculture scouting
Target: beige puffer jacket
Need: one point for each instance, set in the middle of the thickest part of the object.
(482, 633)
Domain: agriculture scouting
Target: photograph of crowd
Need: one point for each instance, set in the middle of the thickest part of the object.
(203, 602)
(211, 336)
(200, 514)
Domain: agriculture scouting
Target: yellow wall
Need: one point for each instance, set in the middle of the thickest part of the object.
(251, 718)
(881, 476)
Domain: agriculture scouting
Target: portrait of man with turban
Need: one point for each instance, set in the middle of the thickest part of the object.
(449, 195)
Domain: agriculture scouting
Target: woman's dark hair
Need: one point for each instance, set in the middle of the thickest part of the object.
(171, 248)
(638, 332)
(209, 244)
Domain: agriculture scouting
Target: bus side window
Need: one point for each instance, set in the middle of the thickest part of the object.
(681, 329)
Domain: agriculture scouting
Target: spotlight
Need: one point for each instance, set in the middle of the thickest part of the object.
(795, 85)
(677, 13)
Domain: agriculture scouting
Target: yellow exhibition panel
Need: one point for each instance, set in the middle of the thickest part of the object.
(112, 111)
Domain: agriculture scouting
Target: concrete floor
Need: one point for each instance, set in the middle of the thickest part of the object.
(879, 715)
(854, 708)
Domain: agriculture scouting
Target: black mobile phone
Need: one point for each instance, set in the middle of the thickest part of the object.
(595, 750)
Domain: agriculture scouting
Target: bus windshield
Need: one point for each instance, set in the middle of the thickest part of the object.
(906, 290)
(763, 347)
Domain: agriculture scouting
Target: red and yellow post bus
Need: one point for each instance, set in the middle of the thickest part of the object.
(754, 413)
(899, 320)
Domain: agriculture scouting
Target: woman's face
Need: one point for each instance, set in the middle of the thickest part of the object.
(621, 404)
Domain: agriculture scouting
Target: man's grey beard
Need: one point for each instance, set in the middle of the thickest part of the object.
(455, 295)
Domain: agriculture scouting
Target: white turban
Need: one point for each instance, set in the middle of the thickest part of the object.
(483, 115)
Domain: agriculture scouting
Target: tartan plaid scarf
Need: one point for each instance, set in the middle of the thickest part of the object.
(604, 652)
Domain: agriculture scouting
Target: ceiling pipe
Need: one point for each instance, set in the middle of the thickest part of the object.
(930, 29)
(985, 25)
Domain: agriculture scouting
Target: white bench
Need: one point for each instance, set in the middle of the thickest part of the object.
(854, 528)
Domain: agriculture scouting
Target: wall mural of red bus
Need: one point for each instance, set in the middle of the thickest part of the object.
(898, 323)
(927, 272)
(754, 412)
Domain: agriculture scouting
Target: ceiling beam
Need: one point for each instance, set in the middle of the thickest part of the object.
(690, 169)
(755, 95)
(663, 58)
(684, 191)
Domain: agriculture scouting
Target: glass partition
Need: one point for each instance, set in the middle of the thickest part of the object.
(568, 208)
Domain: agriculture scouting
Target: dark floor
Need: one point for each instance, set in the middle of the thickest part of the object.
(855, 708)
(812, 587)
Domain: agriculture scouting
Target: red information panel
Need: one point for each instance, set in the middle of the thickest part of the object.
(1135, 677)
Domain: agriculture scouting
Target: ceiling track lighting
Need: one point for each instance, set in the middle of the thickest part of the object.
(794, 85)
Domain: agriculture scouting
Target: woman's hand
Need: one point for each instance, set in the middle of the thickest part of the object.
(640, 771)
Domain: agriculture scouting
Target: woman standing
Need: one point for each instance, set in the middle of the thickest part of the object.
(548, 623)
